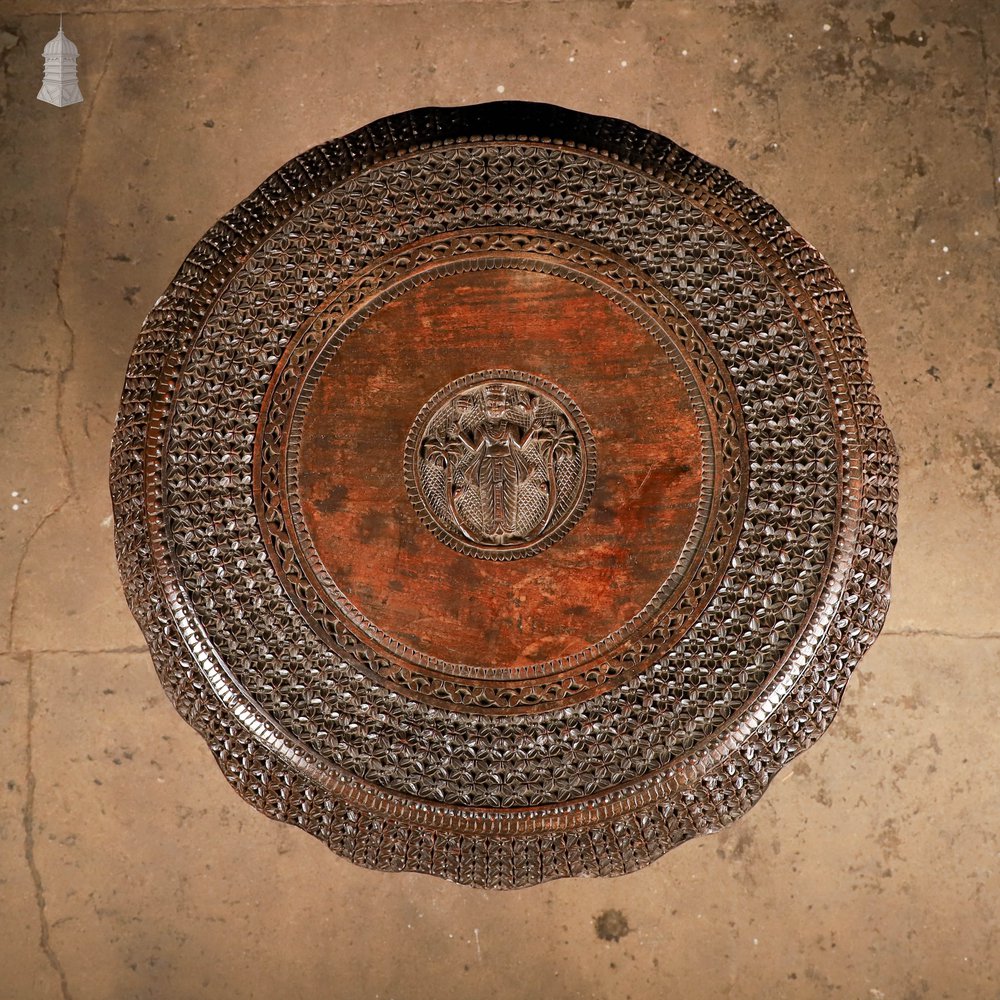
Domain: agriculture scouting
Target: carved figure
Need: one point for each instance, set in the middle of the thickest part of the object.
(499, 461)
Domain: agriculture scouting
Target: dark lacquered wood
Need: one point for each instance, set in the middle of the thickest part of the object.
(642, 628)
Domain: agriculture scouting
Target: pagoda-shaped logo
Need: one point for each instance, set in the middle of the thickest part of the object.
(59, 85)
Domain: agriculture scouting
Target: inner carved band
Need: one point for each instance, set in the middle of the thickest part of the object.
(350, 597)
(500, 464)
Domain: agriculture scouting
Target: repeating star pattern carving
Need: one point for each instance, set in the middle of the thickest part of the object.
(307, 728)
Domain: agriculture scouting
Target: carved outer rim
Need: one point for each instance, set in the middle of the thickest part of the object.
(584, 492)
(702, 792)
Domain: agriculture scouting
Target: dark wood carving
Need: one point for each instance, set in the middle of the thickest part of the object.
(500, 464)
(503, 494)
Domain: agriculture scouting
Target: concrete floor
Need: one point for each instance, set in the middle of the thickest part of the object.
(129, 869)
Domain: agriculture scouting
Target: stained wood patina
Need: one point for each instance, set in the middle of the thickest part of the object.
(503, 494)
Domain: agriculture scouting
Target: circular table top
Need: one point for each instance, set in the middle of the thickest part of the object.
(503, 494)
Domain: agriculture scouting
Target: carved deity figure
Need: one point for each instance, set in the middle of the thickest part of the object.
(492, 463)
(500, 467)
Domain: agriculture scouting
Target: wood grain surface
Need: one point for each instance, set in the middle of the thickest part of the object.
(465, 610)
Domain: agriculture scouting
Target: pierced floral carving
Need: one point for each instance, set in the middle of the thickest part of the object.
(671, 731)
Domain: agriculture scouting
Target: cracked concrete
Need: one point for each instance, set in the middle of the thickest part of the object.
(30, 783)
(128, 869)
(988, 102)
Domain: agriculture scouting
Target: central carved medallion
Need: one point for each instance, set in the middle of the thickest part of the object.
(500, 464)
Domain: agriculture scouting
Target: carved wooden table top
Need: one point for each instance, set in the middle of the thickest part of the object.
(503, 494)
